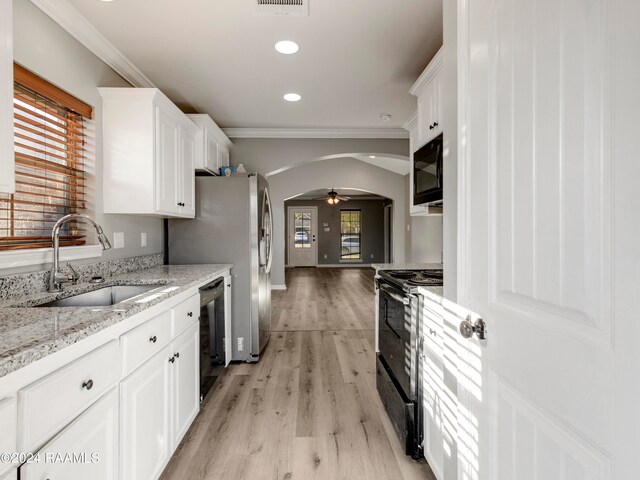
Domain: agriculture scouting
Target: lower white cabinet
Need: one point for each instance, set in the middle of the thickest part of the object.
(144, 438)
(159, 401)
(186, 382)
(85, 449)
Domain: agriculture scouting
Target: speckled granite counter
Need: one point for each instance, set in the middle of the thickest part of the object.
(29, 334)
(406, 266)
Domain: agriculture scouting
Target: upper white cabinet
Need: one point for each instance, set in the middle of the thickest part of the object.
(7, 183)
(211, 144)
(149, 148)
(428, 89)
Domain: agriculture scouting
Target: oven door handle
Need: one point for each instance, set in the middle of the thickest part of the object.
(394, 295)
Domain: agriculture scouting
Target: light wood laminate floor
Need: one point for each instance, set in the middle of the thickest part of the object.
(309, 409)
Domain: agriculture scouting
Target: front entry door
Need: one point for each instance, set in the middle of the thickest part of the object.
(302, 236)
(546, 260)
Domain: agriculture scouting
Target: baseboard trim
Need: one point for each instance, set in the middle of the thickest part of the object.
(344, 265)
(278, 287)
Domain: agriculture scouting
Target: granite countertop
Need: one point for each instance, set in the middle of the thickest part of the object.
(29, 334)
(406, 266)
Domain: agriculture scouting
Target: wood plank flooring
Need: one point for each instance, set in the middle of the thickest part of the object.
(309, 408)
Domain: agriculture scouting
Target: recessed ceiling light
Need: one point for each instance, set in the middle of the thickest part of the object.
(372, 156)
(292, 97)
(385, 117)
(287, 47)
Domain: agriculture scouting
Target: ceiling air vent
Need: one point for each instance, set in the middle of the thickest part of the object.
(282, 7)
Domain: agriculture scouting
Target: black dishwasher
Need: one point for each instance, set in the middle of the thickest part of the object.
(212, 353)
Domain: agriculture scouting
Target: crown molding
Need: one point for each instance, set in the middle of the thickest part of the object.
(411, 122)
(425, 77)
(71, 20)
(316, 132)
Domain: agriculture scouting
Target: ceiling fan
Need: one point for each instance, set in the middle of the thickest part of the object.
(332, 197)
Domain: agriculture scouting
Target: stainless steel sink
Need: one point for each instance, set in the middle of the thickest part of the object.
(103, 297)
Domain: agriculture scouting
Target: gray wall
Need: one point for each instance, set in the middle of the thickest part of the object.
(46, 49)
(424, 237)
(372, 218)
(293, 168)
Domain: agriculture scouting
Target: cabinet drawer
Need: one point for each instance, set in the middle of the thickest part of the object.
(185, 313)
(144, 341)
(8, 426)
(47, 406)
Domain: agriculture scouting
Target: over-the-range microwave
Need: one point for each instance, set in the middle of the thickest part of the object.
(427, 173)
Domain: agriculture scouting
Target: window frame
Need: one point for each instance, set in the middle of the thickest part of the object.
(360, 257)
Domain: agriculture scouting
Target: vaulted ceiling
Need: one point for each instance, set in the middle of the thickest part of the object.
(357, 58)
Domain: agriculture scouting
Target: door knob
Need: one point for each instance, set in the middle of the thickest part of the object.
(467, 329)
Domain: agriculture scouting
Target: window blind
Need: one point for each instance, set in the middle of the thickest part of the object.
(50, 149)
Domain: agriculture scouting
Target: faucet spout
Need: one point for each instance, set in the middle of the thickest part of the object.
(57, 277)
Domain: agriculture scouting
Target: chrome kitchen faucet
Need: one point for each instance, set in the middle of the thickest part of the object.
(57, 277)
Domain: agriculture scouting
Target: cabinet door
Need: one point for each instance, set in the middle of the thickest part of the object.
(186, 381)
(186, 175)
(223, 156)
(6, 99)
(145, 436)
(86, 449)
(167, 157)
(212, 162)
(425, 115)
(436, 105)
(432, 379)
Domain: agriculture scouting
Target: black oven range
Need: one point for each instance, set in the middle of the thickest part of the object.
(397, 370)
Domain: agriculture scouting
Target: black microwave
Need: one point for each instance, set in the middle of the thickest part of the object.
(427, 173)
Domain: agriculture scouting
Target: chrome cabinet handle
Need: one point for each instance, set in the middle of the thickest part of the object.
(153, 339)
(88, 384)
(468, 329)
(190, 314)
(172, 359)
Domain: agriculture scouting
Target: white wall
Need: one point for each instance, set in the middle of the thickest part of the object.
(299, 172)
(43, 47)
(423, 236)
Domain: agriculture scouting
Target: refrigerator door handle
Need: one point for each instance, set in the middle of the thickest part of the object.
(269, 231)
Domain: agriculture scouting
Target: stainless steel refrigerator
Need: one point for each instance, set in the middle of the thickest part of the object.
(233, 224)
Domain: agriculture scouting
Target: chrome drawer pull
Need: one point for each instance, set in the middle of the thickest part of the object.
(190, 314)
(88, 384)
(153, 339)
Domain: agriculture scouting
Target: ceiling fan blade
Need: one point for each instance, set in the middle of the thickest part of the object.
(324, 197)
(344, 199)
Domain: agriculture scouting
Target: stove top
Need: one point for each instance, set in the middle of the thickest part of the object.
(406, 279)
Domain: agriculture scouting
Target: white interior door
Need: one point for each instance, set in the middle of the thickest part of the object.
(302, 234)
(538, 399)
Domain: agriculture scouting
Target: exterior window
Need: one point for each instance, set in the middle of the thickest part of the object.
(350, 235)
(50, 146)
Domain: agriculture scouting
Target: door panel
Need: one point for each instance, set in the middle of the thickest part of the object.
(167, 157)
(145, 436)
(536, 240)
(302, 236)
(186, 382)
(186, 193)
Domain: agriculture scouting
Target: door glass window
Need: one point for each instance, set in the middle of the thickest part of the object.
(350, 234)
(302, 225)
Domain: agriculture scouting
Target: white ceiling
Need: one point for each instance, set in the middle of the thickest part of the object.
(357, 58)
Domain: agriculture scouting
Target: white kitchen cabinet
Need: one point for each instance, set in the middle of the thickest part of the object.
(149, 148)
(431, 369)
(7, 161)
(211, 144)
(145, 438)
(428, 89)
(92, 440)
(8, 439)
(185, 382)
(159, 402)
